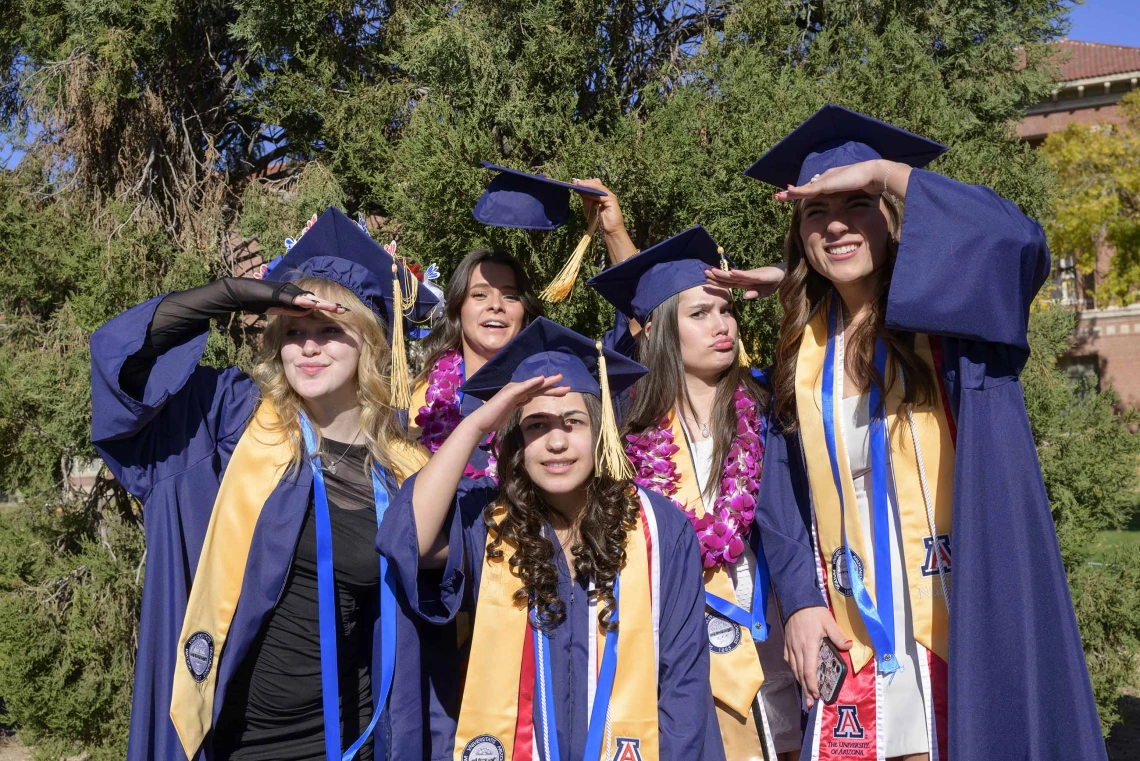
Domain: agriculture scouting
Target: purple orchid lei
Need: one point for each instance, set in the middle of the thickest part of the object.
(439, 417)
(723, 530)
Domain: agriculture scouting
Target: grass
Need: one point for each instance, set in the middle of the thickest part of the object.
(1127, 538)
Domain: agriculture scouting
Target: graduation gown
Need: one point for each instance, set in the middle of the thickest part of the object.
(170, 450)
(688, 728)
(968, 267)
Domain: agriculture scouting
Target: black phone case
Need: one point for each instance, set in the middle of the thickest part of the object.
(831, 673)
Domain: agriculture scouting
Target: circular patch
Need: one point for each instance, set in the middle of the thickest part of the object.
(484, 748)
(199, 655)
(840, 578)
(724, 635)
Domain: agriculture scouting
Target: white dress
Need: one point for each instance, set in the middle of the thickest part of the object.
(903, 709)
(779, 694)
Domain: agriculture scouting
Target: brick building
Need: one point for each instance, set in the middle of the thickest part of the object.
(1093, 78)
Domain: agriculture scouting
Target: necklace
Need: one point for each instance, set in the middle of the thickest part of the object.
(722, 531)
(703, 426)
(331, 467)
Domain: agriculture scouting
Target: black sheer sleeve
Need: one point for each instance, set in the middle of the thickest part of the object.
(183, 314)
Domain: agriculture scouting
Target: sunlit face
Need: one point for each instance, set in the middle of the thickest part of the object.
(492, 312)
(320, 356)
(706, 328)
(845, 235)
(558, 443)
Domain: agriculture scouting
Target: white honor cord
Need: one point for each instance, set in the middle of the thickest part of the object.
(936, 547)
(542, 698)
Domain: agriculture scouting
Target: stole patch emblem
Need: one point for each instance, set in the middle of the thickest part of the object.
(840, 575)
(484, 748)
(199, 652)
(628, 749)
(724, 635)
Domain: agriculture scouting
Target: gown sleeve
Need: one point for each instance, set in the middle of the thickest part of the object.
(783, 513)
(619, 338)
(686, 714)
(438, 596)
(154, 410)
(968, 266)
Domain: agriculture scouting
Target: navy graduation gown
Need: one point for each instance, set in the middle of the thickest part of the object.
(170, 450)
(687, 718)
(968, 267)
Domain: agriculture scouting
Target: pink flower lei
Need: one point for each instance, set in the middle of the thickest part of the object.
(439, 417)
(724, 529)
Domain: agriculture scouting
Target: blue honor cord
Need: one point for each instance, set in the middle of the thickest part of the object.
(755, 622)
(595, 734)
(326, 606)
(879, 624)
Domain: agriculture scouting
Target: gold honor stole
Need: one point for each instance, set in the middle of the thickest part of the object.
(735, 672)
(419, 399)
(930, 617)
(257, 465)
(489, 713)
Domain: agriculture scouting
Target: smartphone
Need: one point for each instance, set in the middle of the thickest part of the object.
(832, 671)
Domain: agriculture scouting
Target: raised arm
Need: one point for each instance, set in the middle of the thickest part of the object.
(969, 263)
(437, 483)
(150, 400)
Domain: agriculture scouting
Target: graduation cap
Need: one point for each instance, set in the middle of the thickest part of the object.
(338, 249)
(546, 348)
(836, 136)
(527, 201)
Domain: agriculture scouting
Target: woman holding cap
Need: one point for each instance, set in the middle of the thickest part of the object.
(585, 590)
(269, 625)
(489, 299)
(900, 430)
(695, 432)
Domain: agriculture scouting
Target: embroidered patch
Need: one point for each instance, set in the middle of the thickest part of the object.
(724, 635)
(930, 565)
(840, 578)
(484, 748)
(199, 652)
(628, 749)
(847, 724)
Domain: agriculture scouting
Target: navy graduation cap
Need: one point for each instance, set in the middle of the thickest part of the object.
(639, 284)
(526, 201)
(338, 249)
(546, 348)
(836, 136)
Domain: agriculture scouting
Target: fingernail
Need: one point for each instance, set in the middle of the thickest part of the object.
(790, 186)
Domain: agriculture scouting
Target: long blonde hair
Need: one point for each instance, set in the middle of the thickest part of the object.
(384, 435)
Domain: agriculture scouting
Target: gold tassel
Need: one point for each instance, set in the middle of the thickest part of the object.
(742, 355)
(401, 394)
(723, 258)
(562, 285)
(609, 454)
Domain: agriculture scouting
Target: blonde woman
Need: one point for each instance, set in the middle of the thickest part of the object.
(270, 626)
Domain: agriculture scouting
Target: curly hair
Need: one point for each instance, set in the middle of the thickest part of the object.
(610, 513)
(801, 292)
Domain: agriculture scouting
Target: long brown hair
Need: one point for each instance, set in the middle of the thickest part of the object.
(664, 386)
(383, 434)
(609, 516)
(449, 333)
(801, 292)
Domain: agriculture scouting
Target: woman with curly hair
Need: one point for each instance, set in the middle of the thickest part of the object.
(899, 434)
(589, 633)
(270, 627)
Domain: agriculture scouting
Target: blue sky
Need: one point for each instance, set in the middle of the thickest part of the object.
(1112, 21)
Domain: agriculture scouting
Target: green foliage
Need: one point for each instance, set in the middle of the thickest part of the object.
(1097, 200)
(150, 155)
